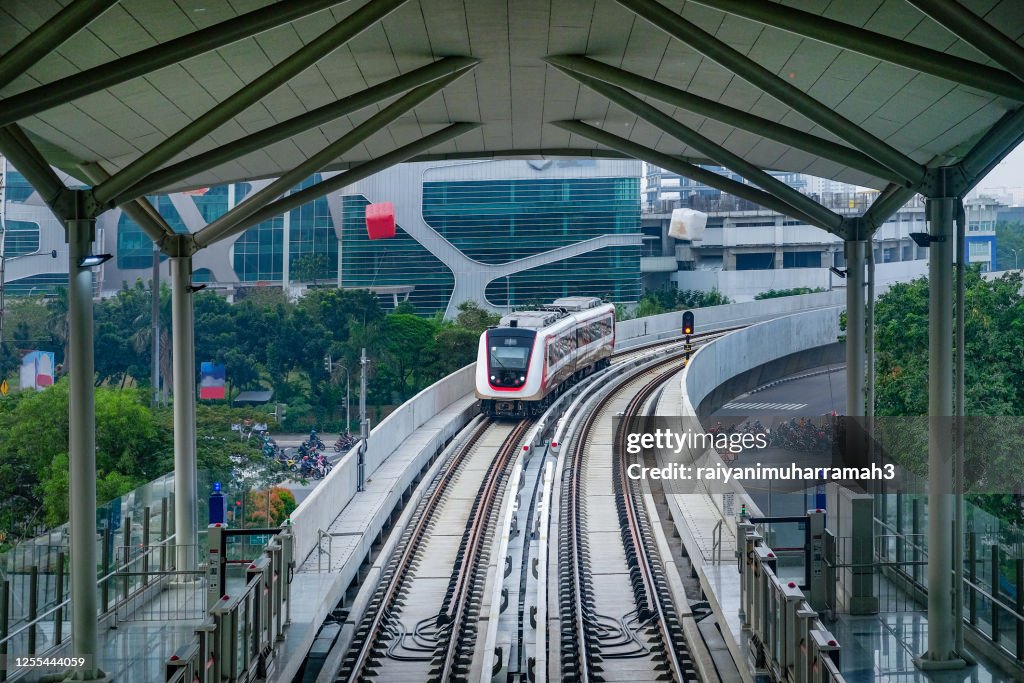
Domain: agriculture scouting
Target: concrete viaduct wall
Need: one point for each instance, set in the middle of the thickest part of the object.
(642, 330)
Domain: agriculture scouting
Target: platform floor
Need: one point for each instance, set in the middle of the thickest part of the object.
(875, 648)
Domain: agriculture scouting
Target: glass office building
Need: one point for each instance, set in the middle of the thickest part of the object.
(493, 232)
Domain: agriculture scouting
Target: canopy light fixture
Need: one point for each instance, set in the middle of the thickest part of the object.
(924, 240)
(93, 260)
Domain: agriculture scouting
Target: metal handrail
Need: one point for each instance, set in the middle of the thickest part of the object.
(716, 542)
(99, 582)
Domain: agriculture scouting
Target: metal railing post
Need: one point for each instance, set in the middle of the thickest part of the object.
(145, 546)
(972, 574)
(1020, 609)
(105, 561)
(127, 535)
(915, 530)
(5, 609)
(33, 606)
(995, 592)
(58, 618)
(163, 534)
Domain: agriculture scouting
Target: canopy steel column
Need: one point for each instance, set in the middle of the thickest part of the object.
(183, 361)
(82, 447)
(941, 654)
(855, 327)
(959, 410)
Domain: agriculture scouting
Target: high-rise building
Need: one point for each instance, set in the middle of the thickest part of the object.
(500, 233)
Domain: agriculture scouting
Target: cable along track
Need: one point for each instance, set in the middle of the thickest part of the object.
(618, 621)
(421, 623)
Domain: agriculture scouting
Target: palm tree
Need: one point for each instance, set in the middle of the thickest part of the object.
(142, 340)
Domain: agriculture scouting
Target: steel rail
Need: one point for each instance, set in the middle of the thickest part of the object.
(645, 573)
(456, 611)
(396, 580)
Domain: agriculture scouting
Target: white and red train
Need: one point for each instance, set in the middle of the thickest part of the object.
(532, 356)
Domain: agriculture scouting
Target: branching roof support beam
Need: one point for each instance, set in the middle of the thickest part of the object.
(404, 104)
(139, 210)
(876, 45)
(983, 36)
(888, 202)
(279, 74)
(233, 150)
(755, 74)
(48, 37)
(726, 114)
(353, 175)
(1000, 140)
(49, 95)
(823, 217)
(686, 169)
(30, 163)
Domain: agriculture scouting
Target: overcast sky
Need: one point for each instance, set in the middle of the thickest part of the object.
(1009, 173)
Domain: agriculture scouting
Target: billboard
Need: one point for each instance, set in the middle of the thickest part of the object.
(37, 370)
(211, 381)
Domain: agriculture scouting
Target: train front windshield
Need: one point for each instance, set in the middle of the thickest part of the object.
(508, 355)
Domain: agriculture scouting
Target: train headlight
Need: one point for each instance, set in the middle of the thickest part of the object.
(521, 378)
(492, 378)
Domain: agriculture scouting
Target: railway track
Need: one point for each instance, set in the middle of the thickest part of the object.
(421, 622)
(617, 617)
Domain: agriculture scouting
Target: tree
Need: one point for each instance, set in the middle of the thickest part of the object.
(277, 500)
(309, 267)
(475, 319)
(1009, 237)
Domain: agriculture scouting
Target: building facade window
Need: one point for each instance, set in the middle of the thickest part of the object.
(16, 187)
(400, 264)
(21, 238)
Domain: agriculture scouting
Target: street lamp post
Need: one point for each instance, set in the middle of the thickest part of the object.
(348, 406)
(1014, 258)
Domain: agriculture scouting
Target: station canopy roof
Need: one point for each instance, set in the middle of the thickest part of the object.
(863, 91)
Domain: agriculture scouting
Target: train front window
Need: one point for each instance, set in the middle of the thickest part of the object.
(509, 355)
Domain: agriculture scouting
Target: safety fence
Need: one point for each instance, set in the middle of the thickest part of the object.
(136, 558)
(993, 569)
(789, 641)
(235, 642)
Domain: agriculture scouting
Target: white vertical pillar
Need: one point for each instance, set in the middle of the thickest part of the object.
(286, 245)
(82, 447)
(941, 213)
(183, 359)
(855, 328)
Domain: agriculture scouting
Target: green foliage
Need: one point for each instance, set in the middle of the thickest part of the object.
(994, 370)
(1009, 236)
(777, 293)
(994, 383)
(309, 267)
(667, 299)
